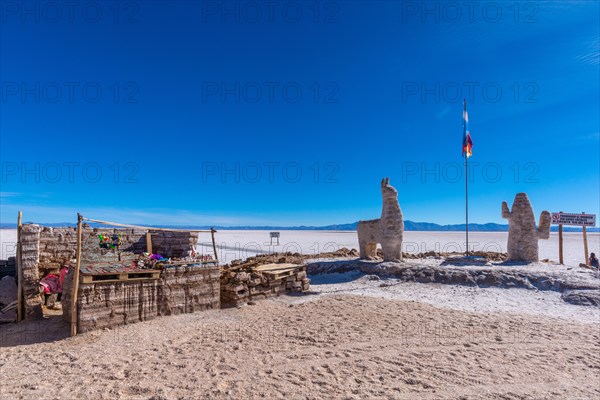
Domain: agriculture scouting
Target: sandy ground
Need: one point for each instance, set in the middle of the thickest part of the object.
(353, 337)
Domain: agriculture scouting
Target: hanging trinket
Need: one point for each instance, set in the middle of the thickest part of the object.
(109, 241)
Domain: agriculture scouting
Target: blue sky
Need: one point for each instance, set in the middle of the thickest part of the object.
(187, 113)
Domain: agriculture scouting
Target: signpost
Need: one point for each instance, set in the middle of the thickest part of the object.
(274, 235)
(584, 220)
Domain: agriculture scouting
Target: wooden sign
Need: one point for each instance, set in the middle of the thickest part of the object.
(561, 218)
(583, 219)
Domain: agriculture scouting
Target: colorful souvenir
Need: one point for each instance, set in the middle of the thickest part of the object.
(109, 241)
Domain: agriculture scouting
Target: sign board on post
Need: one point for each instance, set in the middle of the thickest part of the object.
(274, 235)
(583, 220)
(561, 218)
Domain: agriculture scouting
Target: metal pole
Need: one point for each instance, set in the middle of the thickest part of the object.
(467, 201)
(466, 180)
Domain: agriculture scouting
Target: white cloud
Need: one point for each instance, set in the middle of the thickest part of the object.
(443, 112)
(590, 54)
(47, 214)
(9, 194)
(592, 136)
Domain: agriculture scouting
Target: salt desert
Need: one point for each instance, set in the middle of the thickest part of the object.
(234, 244)
(241, 244)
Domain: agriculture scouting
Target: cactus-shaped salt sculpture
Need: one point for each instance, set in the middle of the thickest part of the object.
(522, 233)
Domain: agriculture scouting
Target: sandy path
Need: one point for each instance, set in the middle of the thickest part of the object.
(335, 346)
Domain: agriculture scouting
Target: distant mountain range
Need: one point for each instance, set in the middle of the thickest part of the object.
(408, 226)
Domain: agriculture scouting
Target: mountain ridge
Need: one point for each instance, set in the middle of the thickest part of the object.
(408, 226)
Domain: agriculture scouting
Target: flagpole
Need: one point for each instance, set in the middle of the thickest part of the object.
(466, 186)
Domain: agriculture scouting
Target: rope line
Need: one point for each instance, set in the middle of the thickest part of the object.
(147, 228)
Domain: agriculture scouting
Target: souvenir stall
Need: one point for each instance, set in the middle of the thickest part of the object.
(112, 284)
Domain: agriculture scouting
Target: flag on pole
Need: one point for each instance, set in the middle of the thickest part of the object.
(467, 147)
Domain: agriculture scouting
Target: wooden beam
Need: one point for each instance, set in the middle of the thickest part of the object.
(147, 228)
(149, 242)
(76, 279)
(19, 270)
(560, 244)
(585, 246)
(212, 233)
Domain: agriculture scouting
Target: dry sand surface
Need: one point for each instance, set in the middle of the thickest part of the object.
(329, 344)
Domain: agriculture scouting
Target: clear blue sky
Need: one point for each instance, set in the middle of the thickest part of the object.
(170, 93)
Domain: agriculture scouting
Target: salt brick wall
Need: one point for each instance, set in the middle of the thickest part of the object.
(59, 245)
(188, 289)
(30, 251)
(46, 249)
(178, 290)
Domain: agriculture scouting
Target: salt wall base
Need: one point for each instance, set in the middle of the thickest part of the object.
(239, 288)
(178, 290)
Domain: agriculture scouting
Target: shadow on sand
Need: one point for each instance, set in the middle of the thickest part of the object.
(335, 278)
(48, 329)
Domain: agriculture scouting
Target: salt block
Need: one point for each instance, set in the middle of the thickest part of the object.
(8, 290)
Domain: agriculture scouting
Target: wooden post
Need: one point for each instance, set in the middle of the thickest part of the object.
(19, 270)
(76, 279)
(560, 244)
(149, 242)
(212, 233)
(585, 246)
